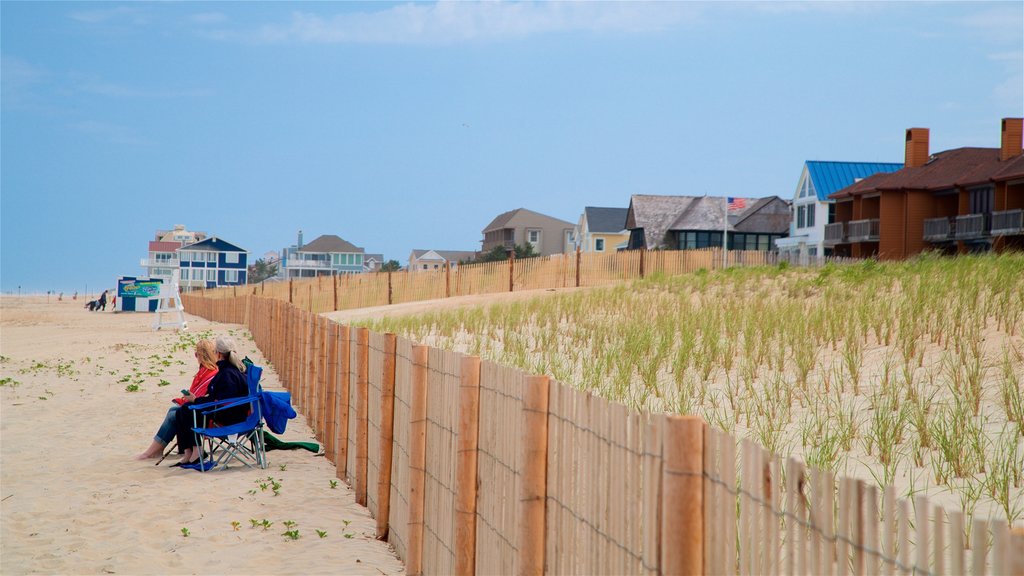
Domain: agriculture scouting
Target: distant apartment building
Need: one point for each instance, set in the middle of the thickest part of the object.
(162, 257)
(328, 255)
(955, 201)
(547, 235)
(211, 263)
(426, 260)
(812, 207)
(696, 222)
(600, 230)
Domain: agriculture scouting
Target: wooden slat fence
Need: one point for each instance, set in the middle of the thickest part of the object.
(348, 291)
(477, 473)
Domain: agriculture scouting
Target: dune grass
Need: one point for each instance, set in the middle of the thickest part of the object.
(910, 371)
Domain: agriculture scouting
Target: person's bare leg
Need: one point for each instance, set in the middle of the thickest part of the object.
(156, 449)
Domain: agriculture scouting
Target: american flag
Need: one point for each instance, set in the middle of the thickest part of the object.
(737, 203)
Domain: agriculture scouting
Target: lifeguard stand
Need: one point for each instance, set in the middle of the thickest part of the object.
(170, 303)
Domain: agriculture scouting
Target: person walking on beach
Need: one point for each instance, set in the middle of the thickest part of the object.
(206, 355)
(229, 382)
(103, 301)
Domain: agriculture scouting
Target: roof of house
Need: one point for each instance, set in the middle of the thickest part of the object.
(329, 243)
(830, 177)
(658, 215)
(213, 244)
(448, 255)
(944, 170)
(156, 246)
(502, 220)
(606, 220)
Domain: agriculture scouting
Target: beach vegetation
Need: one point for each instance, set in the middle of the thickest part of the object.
(235, 525)
(185, 531)
(8, 381)
(912, 368)
(334, 484)
(321, 533)
(132, 388)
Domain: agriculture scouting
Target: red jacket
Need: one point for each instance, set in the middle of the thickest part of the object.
(199, 384)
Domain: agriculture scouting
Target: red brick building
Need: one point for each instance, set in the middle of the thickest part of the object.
(956, 201)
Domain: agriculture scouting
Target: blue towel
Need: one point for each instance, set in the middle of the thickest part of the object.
(277, 410)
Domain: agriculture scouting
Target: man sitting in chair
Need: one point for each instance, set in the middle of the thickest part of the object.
(228, 383)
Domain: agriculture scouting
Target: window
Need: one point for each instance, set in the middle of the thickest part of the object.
(810, 215)
(358, 259)
(211, 275)
(800, 219)
(533, 237)
(211, 256)
(599, 245)
(424, 266)
(231, 276)
(231, 257)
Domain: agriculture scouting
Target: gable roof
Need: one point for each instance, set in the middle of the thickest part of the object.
(606, 220)
(502, 220)
(213, 244)
(448, 255)
(830, 177)
(944, 170)
(329, 243)
(658, 215)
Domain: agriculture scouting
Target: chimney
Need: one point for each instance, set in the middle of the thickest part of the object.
(917, 148)
(1012, 142)
(300, 240)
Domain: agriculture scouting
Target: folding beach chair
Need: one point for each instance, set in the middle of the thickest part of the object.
(243, 441)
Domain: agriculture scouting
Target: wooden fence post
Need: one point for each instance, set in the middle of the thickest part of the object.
(331, 400)
(362, 410)
(290, 286)
(387, 436)
(642, 262)
(511, 268)
(417, 458)
(533, 482)
(682, 517)
(578, 260)
(447, 279)
(465, 466)
(389, 287)
(344, 385)
(334, 284)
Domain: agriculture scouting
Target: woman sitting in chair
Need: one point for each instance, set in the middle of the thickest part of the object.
(206, 355)
(228, 383)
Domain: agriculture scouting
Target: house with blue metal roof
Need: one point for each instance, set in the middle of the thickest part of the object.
(812, 209)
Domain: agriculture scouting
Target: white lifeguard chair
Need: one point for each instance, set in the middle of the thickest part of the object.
(170, 303)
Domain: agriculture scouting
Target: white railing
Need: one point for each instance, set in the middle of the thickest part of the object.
(938, 229)
(834, 233)
(155, 263)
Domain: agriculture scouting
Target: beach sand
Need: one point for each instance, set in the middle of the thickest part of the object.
(74, 501)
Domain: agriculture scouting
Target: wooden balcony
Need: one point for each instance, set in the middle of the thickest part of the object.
(834, 234)
(939, 229)
(970, 227)
(1008, 222)
(863, 230)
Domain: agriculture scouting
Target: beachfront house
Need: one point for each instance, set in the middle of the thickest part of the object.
(812, 208)
(600, 230)
(955, 201)
(328, 255)
(212, 263)
(426, 260)
(696, 222)
(162, 258)
(546, 234)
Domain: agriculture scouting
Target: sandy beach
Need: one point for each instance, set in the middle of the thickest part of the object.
(73, 500)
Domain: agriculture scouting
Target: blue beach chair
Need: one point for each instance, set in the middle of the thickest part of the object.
(243, 441)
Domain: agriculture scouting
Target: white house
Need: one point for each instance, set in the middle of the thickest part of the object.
(812, 209)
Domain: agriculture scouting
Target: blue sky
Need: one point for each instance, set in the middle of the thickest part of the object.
(411, 125)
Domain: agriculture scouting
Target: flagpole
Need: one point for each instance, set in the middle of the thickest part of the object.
(725, 236)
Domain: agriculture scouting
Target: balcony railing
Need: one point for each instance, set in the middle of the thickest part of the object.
(939, 229)
(834, 234)
(863, 230)
(970, 226)
(1008, 222)
(309, 264)
(153, 263)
